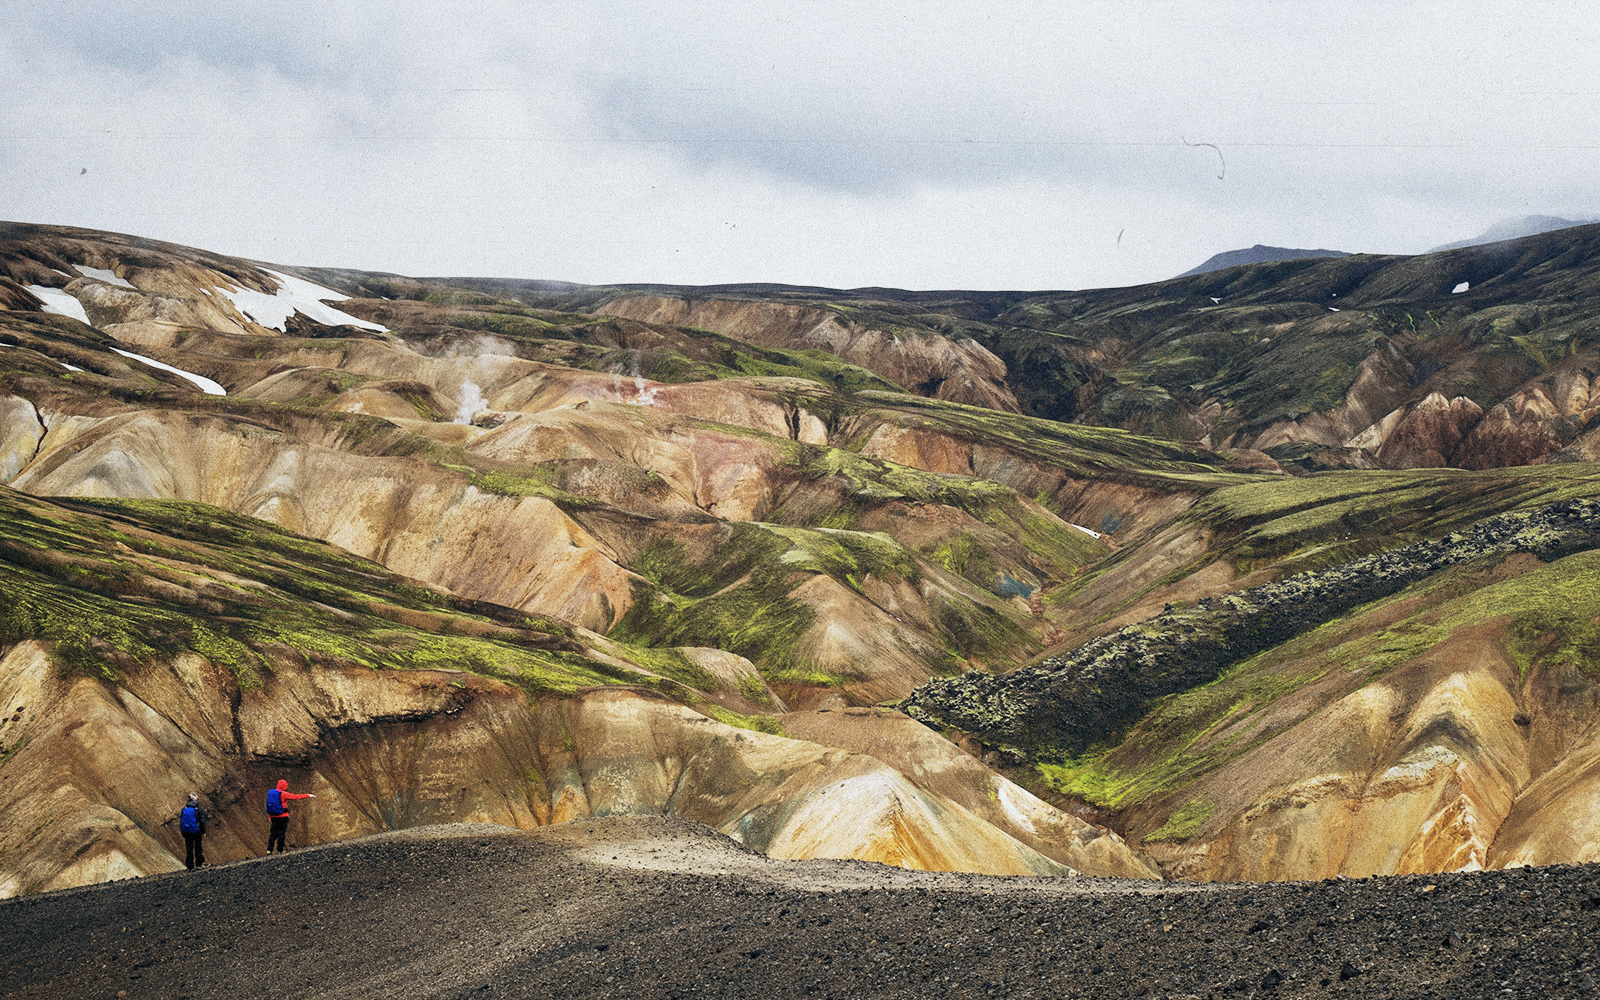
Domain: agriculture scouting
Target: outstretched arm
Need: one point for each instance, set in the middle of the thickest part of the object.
(298, 795)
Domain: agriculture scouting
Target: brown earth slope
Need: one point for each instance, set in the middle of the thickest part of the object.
(929, 364)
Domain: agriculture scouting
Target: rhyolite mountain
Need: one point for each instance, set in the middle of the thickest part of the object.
(1510, 229)
(451, 550)
(1475, 358)
(1258, 254)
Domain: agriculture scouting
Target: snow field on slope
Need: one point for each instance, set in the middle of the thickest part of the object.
(294, 294)
(60, 302)
(101, 274)
(206, 385)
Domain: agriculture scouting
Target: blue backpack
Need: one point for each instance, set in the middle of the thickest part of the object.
(274, 802)
(189, 820)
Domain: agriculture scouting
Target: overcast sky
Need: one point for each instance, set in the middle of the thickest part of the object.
(917, 144)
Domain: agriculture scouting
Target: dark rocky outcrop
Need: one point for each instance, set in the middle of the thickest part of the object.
(1067, 704)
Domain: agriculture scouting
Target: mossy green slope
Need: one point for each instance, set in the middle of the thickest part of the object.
(1547, 615)
(740, 596)
(1068, 704)
(446, 322)
(1280, 525)
(112, 583)
(1328, 518)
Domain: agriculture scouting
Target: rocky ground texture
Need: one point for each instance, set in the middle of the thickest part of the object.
(667, 908)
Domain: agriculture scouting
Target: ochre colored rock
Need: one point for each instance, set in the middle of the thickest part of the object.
(100, 769)
(1520, 431)
(1421, 435)
(957, 369)
(20, 433)
(920, 448)
(516, 551)
(1436, 767)
(934, 763)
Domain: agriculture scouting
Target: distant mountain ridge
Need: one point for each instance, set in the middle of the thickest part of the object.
(1257, 254)
(1511, 229)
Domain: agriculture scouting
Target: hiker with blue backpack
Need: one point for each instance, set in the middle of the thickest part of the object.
(278, 812)
(192, 824)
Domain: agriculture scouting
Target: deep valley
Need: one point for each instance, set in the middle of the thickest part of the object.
(1282, 574)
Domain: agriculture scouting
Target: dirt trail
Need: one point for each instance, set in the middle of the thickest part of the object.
(650, 907)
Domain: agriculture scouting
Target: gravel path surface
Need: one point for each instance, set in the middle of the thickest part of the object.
(667, 908)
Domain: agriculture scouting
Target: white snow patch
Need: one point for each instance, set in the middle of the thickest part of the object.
(101, 274)
(206, 385)
(1087, 531)
(294, 295)
(471, 402)
(1333, 309)
(61, 303)
(1213, 298)
(1461, 288)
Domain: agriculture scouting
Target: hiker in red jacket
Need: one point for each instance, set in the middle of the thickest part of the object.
(278, 811)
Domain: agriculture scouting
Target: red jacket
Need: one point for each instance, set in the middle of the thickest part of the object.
(286, 795)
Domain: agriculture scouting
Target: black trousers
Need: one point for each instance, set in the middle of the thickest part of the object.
(194, 850)
(280, 826)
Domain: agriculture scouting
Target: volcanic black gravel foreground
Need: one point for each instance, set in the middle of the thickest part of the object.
(666, 908)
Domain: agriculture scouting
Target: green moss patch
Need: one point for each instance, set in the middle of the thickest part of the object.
(1052, 548)
(756, 723)
(116, 583)
(541, 484)
(1183, 823)
(738, 599)
(1333, 517)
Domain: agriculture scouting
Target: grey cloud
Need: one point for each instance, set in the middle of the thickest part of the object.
(140, 37)
(812, 142)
